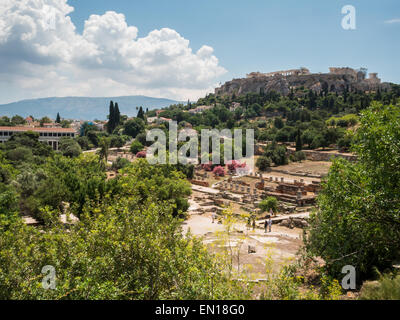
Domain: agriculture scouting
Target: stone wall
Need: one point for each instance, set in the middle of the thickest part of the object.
(324, 155)
(200, 183)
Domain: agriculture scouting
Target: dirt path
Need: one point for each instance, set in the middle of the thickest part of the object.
(281, 245)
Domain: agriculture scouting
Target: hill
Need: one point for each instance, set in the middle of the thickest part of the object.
(85, 108)
(337, 80)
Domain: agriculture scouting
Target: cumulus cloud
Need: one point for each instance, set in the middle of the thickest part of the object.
(43, 55)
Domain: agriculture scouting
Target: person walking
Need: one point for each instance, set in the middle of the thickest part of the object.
(266, 225)
(269, 224)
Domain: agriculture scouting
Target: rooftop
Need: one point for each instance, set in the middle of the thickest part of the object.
(37, 129)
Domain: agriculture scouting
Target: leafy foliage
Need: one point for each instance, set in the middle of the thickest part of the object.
(359, 211)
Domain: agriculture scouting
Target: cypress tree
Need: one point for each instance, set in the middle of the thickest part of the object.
(117, 115)
(111, 118)
(140, 113)
(299, 143)
(58, 119)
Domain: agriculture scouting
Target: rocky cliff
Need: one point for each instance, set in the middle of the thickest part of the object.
(336, 82)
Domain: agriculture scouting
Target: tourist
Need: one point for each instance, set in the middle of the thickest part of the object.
(269, 223)
(266, 225)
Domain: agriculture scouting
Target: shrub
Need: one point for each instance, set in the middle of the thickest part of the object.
(386, 288)
(120, 163)
(219, 171)
(141, 154)
(298, 156)
(270, 203)
(233, 165)
(136, 146)
(277, 153)
(207, 166)
(263, 163)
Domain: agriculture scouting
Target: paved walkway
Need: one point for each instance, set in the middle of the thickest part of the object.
(204, 189)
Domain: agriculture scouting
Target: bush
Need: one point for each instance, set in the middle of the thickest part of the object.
(386, 288)
(298, 156)
(342, 123)
(136, 146)
(263, 163)
(141, 137)
(120, 163)
(277, 153)
(233, 165)
(219, 171)
(69, 147)
(344, 143)
(84, 142)
(278, 123)
(20, 154)
(207, 166)
(270, 203)
(117, 141)
(133, 127)
(141, 154)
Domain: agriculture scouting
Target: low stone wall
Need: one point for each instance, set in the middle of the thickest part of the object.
(324, 155)
(200, 183)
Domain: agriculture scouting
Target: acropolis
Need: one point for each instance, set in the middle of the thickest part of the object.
(337, 80)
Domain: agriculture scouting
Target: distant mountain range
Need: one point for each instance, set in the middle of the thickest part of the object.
(83, 108)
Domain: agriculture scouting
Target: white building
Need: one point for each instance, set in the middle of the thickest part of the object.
(200, 109)
(51, 136)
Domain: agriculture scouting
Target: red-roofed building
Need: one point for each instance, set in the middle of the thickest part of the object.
(29, 120)
(51, 136)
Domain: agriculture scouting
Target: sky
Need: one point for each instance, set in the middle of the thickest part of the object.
(183, 49)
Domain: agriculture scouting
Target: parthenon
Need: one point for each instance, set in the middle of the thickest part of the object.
(285, 73)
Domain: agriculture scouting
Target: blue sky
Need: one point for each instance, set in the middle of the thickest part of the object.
(182, 49)
(268, 35)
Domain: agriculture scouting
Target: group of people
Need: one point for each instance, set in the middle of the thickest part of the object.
(268, 224)
(252, 221)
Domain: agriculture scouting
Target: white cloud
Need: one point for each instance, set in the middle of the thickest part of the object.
(393, 21)
(43, 55)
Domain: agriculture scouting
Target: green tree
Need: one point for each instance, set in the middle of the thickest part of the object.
(359, 213)
(277, 153)
(117, 115)
(133, 127)
(270, 203)
(69, 147)
(120, 249)
(299, 142)
(58, 119)
(263, 163)
(111, 118)
(104, 145)
(17, 120)
(140, 113)
(136, 146)
(45, 120)
(278, 123)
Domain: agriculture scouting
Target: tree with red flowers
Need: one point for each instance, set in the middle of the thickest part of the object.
(207, 166)
(219, 171)
(141, 154)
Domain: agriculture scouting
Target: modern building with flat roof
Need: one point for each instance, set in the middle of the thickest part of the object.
(51, 136)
